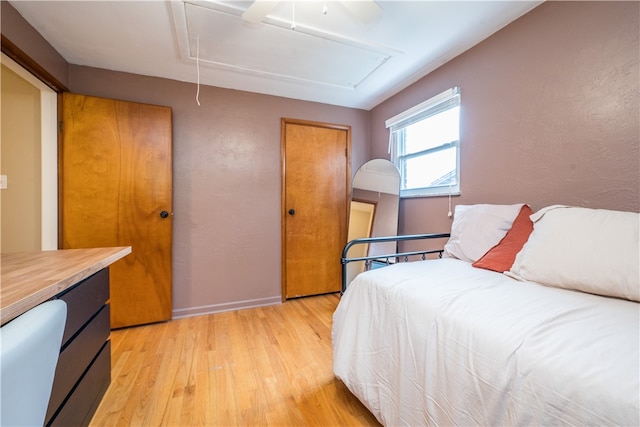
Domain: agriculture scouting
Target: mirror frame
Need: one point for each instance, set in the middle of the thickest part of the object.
(376, 182)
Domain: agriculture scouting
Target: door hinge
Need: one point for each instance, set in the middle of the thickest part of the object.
(346, 152)
(60, 126)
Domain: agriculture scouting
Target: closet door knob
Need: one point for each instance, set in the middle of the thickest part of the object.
(164, 214)
(292, 211)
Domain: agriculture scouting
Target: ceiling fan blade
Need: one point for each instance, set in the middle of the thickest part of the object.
(258, 10)
(366, 11)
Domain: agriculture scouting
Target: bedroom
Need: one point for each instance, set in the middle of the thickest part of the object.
(536, 135)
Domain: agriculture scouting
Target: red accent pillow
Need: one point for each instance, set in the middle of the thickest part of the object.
(500, 258)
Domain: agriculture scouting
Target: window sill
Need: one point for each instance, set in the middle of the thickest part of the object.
(416, 195)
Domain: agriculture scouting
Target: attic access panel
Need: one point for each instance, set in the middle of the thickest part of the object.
(221, 39)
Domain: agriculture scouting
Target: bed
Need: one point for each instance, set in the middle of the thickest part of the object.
(552, 340)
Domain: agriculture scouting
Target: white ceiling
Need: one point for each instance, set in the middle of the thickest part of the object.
(334, 57)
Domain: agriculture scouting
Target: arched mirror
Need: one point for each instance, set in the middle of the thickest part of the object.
(374, 210)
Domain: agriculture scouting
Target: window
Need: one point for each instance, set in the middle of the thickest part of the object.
(424, 143)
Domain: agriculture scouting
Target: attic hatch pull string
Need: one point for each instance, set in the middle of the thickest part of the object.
(198, 69)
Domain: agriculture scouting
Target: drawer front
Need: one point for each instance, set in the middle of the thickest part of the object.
(83, 301)
(76, 357)
(84, 400)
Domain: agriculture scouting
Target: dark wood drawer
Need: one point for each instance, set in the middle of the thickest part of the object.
(83, 302)
(85, 398)
(76, 357)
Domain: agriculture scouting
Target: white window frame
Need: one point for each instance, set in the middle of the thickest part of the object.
(396, 125)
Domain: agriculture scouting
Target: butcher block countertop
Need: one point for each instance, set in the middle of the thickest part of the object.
(30, 278)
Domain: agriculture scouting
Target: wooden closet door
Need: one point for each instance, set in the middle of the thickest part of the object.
(116, 190)
(316, 190)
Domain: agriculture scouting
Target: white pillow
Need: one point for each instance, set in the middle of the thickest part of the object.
(478, 228)
(590, 250)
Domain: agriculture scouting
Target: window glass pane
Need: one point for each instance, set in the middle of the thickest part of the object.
(433, 131)
(434, 169)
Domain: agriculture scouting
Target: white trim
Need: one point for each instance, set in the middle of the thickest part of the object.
(430, 192)
(48, 154)
(219, 308)
(431, 102)
(49, 158)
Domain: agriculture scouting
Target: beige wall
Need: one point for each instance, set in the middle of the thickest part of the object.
(20, 161)
(550, 113)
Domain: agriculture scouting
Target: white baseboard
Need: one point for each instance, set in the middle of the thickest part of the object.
(218, 308)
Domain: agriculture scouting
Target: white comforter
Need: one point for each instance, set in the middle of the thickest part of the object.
(440, 342)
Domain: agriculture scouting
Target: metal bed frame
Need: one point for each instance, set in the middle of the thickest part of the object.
(387, 259)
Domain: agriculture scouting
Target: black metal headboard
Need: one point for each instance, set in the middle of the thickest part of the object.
(387, 259)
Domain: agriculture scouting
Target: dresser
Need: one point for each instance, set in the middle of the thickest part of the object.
(80, 277)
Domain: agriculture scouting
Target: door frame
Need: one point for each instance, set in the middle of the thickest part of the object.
(283, 163)
(48, 154)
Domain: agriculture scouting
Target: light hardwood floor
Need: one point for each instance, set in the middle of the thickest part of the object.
(261, 366)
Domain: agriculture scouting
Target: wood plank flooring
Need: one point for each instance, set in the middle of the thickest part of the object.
(269, 366)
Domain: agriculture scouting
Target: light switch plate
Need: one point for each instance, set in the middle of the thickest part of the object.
(3, 182)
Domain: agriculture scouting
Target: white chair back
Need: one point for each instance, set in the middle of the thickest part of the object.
(29, 351)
